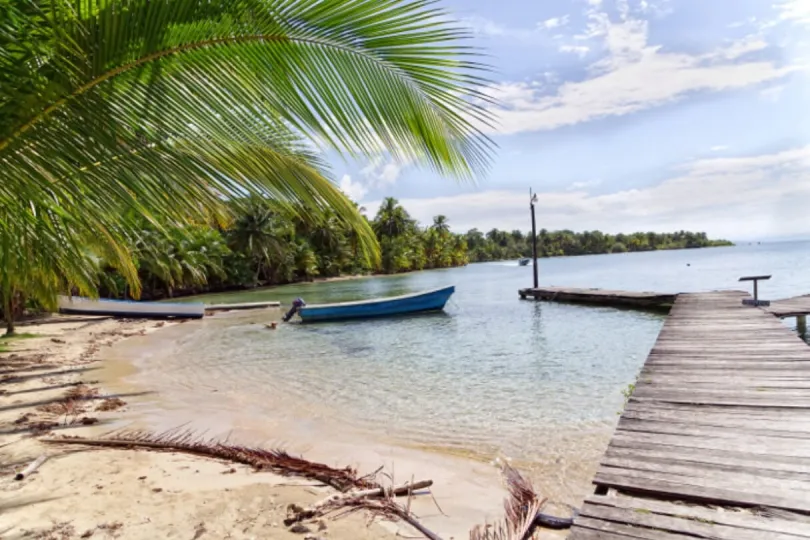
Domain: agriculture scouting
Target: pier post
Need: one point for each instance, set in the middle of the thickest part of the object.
(801, 326)
(532, 200)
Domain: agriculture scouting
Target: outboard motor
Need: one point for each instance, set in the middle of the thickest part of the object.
(297, 304)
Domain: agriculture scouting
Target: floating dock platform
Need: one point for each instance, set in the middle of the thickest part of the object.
(601, 297)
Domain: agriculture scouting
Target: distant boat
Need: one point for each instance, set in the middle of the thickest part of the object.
(524, 261)
(78, 305)
(380, 307)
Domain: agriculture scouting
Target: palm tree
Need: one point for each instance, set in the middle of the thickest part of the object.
(392, 219)
(261, 234)
(169, 108)
(440, 225)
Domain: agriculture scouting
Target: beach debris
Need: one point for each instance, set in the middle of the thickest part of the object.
(274, 460)
(57, 340)
(522, 507)
(111, 404)
(33, 466)
(199, 530)
(300, 528)
(296, 513)
(58, 531)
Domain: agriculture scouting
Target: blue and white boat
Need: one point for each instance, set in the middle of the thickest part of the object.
(421, 302)
(79, 305)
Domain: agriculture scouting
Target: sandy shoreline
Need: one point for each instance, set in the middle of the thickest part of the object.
(80, 493)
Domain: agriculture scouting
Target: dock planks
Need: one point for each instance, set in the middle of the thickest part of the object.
(790, 307)
(603, 297)
(715, 439)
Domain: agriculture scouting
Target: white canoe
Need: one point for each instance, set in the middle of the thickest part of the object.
(78, 305)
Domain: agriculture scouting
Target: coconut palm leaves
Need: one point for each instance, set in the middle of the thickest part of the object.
(168, 107)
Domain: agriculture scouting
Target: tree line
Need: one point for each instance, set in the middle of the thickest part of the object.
(501, 245)
(261, 245)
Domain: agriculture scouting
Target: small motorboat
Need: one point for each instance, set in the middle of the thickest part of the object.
(79, 305)
(421, 302)
(524, 261)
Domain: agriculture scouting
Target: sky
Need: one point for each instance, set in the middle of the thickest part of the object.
(629, 115)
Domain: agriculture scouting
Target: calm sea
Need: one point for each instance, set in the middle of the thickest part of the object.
(494, 376)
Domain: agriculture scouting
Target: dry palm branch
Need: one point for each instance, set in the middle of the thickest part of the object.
(522, 508)
(370, 496)
(276, 461)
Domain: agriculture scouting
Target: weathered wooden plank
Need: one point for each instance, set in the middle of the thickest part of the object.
(611, 530)
(742, 519)
(694, 489)
(693, 528)
(764, 446)
(704, 469)
(710, 457)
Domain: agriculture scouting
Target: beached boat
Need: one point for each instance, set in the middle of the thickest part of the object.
(380, 307)
(524, 261)
(78, 305)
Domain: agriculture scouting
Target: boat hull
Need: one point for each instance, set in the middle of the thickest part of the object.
(77, 305)
(524, 262)
(384, 307)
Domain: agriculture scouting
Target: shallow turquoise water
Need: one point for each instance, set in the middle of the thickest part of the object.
(493, 375)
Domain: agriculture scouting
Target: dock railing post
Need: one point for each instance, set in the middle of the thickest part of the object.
(532, 200)
(756, 301)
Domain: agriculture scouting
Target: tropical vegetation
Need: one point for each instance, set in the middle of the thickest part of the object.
(262, 246)
(132, 129)
(500, 245)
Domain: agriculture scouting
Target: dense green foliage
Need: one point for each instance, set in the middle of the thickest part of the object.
(264, 246)
(118, 114)
(500, 245)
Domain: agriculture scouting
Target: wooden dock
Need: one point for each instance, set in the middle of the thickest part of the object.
(242, 306)
(715, 439)
(601, 297)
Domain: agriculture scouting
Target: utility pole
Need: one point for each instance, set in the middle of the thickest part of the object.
(532, 200)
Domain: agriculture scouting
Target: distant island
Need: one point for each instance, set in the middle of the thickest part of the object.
(261, 247)
(498, 245)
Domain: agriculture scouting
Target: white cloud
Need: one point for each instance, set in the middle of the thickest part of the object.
(584, 185)
(797, 11)
(353, 190)
(772, 93)
(555, 22)
(719, 148)
(381, 172)
(579, 50)
(633, 76)
(735, 197)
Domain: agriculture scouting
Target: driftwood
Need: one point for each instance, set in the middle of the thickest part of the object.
(33, 466)
(341, 499)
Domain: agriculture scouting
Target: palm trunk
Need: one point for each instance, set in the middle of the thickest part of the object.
(8, 311)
